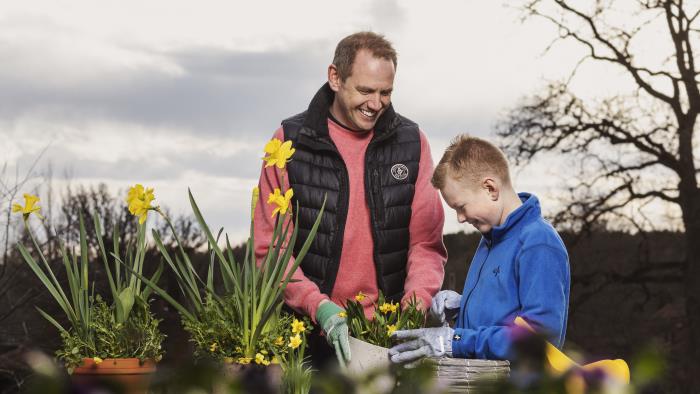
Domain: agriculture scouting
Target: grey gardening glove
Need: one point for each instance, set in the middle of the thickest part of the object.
(423, 342)
(445, 306)
(336, 330)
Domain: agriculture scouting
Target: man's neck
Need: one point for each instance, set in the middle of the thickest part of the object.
(333, 115)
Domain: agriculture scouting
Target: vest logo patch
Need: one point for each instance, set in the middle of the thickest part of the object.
(399, 172)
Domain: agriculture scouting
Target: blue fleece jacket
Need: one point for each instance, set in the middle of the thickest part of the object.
(520, 268)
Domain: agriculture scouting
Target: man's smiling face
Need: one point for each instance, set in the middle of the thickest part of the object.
(364, 95)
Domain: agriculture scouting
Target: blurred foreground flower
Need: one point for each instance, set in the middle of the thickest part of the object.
(615, 372)
(42, 364)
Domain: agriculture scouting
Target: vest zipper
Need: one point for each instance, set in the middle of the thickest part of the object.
(342, 215)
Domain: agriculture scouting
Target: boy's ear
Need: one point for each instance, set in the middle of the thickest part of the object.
(492, 188)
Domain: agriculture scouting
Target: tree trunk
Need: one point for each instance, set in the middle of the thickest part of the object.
(691, 219)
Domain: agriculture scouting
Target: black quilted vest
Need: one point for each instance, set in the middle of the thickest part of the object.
(317, 170)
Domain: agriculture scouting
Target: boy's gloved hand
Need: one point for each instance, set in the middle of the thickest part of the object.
(426, 342)
(336, 330)
(445, 305)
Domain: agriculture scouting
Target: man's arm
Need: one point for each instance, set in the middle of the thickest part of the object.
(303, 296)
(426, 254)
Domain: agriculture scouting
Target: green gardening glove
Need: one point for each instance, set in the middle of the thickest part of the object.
(336, 329)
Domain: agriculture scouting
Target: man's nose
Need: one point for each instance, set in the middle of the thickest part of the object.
(461, 217)
(375, 103)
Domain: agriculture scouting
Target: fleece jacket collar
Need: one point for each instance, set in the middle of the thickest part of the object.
(527, 212)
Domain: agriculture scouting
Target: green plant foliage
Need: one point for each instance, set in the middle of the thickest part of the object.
(387, 318)
(124, 329)
(137, 337)
(217, 335)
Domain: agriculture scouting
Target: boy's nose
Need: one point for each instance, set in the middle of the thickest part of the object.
(461, 218)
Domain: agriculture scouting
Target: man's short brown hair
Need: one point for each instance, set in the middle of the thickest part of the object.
(348, 47)
(471, 158)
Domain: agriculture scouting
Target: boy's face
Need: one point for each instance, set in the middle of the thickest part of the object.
(476, 203)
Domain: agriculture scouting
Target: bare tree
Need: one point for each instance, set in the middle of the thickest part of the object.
(10, 187)
(633, 149)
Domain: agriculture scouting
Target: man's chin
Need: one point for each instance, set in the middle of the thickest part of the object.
(364, 126)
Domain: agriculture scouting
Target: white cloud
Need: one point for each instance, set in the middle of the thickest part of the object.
(183, 93)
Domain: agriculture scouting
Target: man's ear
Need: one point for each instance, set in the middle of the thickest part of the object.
(333, 78)
(492, 188)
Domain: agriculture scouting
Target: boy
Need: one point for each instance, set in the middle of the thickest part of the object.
(520, 267)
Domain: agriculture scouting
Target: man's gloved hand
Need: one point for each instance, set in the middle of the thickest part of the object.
(336, 330)
(426, 342)
(445, 305)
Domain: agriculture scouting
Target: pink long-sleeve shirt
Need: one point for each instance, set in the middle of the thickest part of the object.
(357, 272)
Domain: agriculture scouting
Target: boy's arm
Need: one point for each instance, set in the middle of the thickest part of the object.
(544, 295)
(426, 255)
(544, 290)
(303, 296)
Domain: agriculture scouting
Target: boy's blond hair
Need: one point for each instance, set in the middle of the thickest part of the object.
(471, 158)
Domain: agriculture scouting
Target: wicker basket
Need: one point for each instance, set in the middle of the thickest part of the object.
(459, 375)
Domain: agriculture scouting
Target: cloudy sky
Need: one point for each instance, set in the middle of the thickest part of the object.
(178, 94)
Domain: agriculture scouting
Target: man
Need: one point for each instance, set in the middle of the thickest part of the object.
(382, 225)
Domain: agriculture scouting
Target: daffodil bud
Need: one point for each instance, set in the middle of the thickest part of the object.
(254, 201)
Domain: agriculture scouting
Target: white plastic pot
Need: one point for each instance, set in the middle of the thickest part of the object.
(367, 358)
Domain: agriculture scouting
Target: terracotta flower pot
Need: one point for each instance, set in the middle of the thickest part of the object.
(127, 374)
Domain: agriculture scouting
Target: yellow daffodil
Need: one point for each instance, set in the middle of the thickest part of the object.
(359, 297)
(213, 347)
(29, 207)
(298, 326)
(139, 201)
(278, 153)
(343, 314)
(274, 360)
(279, 341)
(244, 360)
(260, 359)
(228, 360)
(254, 201)
(385, 308)
(97, 360)
(393, 307)
(294, 341)
(390, 328)
(282, 201)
